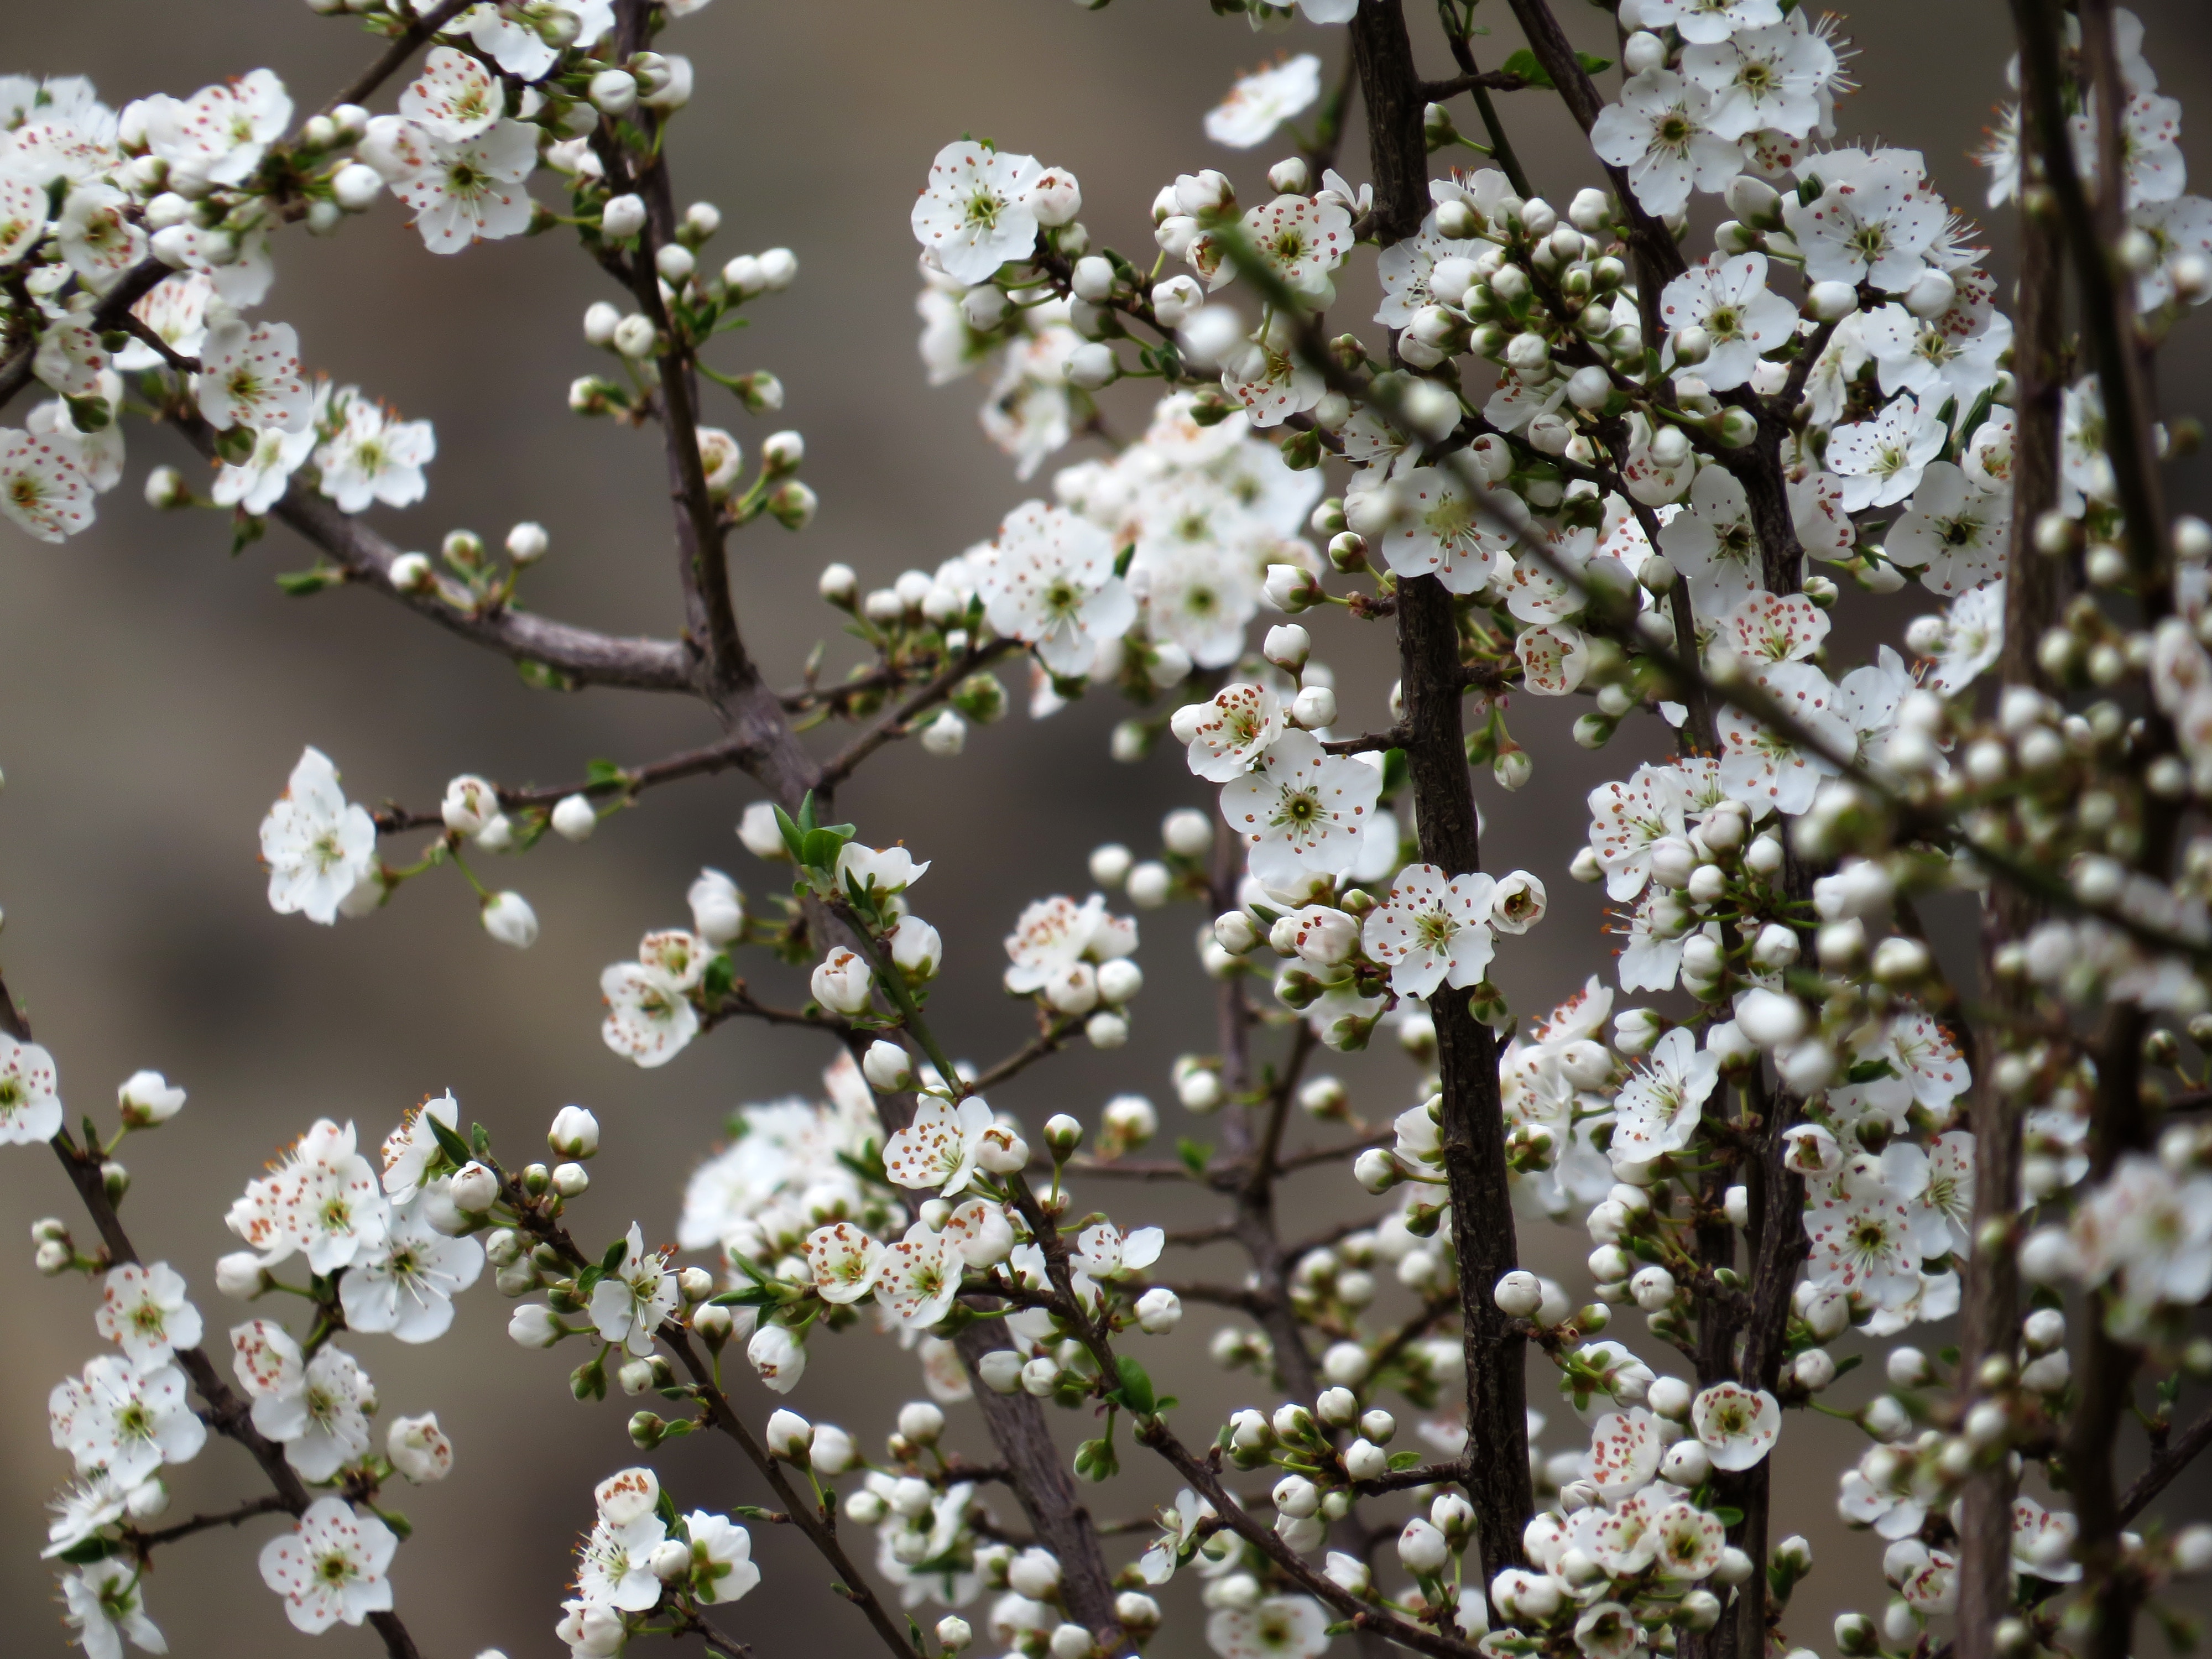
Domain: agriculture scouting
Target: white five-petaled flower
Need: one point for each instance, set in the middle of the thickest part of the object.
(104, 1603)
(250, 376)
(1768, 78)
(259, 482)
(1660, 133)
(1689, 1540)
(1262, 101)
(919, 1277)
(511, 34)
(1432, 929)
(1658, 1107)
(406, 1285)
(1103, 1250)
(1882, 461)
(317, 847)
(1775, 627)
(1049, 580)
(1302, 238)
(1958, 534)
(1301, 809)
(126, 1421)
(1441, 531)
(1728, 297)
(940, 1147)
(975, 215)
(374, 457)
(1736, 1426)
(1235, 728)
(628, 1305)
(471, 189)
(145, 1311)
(1863, 1242)
(1771, 769)
(1873, 222)
(95, 234)
(1714, 545)
(1179, 1533)
(30, 1110)
(317, 1411)
(1626, 820)
(330, 1566)
(649, 1018)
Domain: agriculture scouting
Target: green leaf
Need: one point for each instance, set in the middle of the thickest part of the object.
(1137, 1388)
(1196, 1155)
(1122, 559)
(305, 583)
(719, 977)
(1523, 63)
(89, 1550)
(480, 1140)
(605, 773)
(449, 1143)
(399, 1524)
(1405, 1460)
(794, 838)
(542, 677)
(1729, 1516)
(612, 1260)
(752, 1511)
(1592, 63)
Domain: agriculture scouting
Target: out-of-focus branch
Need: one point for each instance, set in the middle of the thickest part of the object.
(896, 724)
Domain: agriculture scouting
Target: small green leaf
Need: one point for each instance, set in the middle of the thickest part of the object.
(399, 1524)
(1405, 1460)
(1122, 559)
(794, 839)
(612, 1260)
(89, 1550)
(1592, 63)
(719, 977)
(1194, 1154)
(1729, 1516)
(305, 583)
(449, 1143)
(1137, 1386)
(605, 773)
(542, 677)
(1523, 63)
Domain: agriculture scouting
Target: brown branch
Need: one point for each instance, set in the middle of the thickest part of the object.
(691, 764)
(267, 1503)
(1486, 80)
(1367, 742)
(894, 725)
(2180, 1453)
(1050, 1041)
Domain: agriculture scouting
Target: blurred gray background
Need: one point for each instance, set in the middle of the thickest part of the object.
(157, 691)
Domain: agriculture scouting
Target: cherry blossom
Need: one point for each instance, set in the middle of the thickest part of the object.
(1957, 535)
(1440, 531)
(30, 1110)
(455, 98)
(104, 1603)
(1775, 627)
(1660, 133)
(844, 1261)
(250, 376)
(649, 1019)
(1874, 220)
(1626, 820)
(317, 1411)
(1863, 1244)
(939, 1147)
(1277, 1628)
(1300, 810)
(127, 1421)
(1049, 581)
(1432, 929)
(1262, 101)
(1759, 78)
(373, 457)
(975, 215)
(1728, 300)
(1624, 1453)
(41, 487)
(22, 217)
(1232, 731)
(1714, 545)
(471, 189)
(1736, 1426)
(145, 1310)
(721, 1554)
(1301, 240)
(919, 1277)
(330, 1566)
(96, 236)
(628, 1304)
(1104, 1250)
(1657, 1110)
(407, 1286)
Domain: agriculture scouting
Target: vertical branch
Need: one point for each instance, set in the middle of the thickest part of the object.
(2035, 589)
(1474, 1123)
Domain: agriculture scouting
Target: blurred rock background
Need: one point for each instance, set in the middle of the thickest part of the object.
(154, 692)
